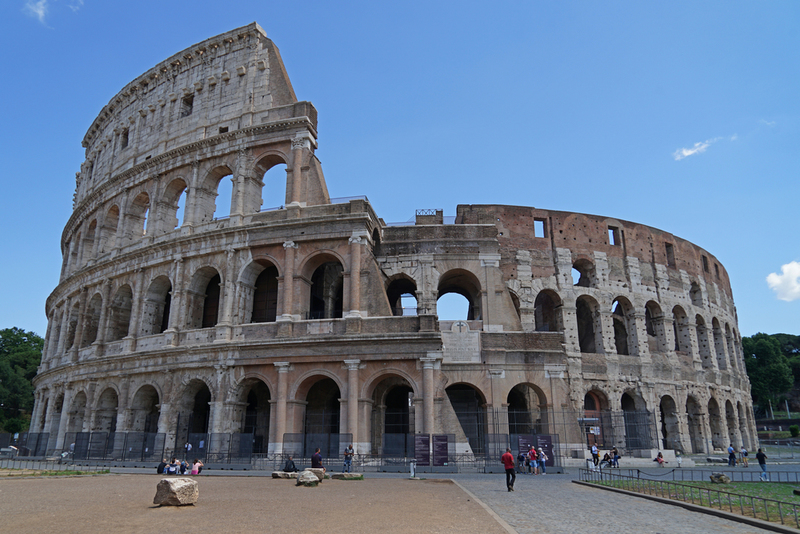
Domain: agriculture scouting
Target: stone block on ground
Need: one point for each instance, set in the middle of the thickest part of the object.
(308, 479)
(347, 476)
(319, 473)
(715, 460)
(283, 474)
(176, 492)
(720, 478)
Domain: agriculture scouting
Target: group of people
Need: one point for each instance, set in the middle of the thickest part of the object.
(743, 456)
(610, 459)
(533, 462)
(176, 467)
(316, 461)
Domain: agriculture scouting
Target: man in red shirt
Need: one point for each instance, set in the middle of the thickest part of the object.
(508, 463)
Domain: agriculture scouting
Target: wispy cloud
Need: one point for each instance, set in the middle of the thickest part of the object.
(75, 5)
(787, 284)
(768, 123)
(36, 9)
(699, 148)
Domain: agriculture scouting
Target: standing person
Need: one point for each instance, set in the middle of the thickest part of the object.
(521, 462)
(731, 456)
(595, 455)
(508, 462)
(679, 458)
(542, 460)
(743, 452)
(316, 460)
(348, 458)
(614, 456)
(197, 466)
(533, 461)
(762, 463)
(188, 448)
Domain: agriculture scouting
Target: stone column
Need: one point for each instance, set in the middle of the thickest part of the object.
(352, 398)
(641, 345)
(122, 405)
(136, 312)
(190, 215)
(228, 288)
(429, 364)
(64, 418)
(87, 413)
(37, 410)
(62, 338)
(76, 345)
(280, 415)
(177, 308)
(356, 242)
(119, 235)
(48, 416)
(299, 145)
(288, 281)
(102, 322)
(498, 403)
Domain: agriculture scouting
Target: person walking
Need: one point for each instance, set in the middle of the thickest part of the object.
(508, 462)
(762, 463)
(743, 459)
(595, 455)
(348, 458)
(731, 456)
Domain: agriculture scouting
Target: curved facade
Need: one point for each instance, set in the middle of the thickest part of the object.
(300, 320)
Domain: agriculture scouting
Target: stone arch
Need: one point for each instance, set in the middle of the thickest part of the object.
(696, 295)
(624, 326)
(58, 407)
(89, 240)
(729, 346)
(587, 314)
(670, 424)
(703, 345)
(145, 410)
(205, 201)
(730, 419)
(743, 428)
(193, 411)
(584, 273)
(92, 320)
(72, 324)
(680, 325)
(719, 345)
(77, 412)
(636, 419)
(527, 409)
(203, 301)
(718, 439)
(105, 418)
(157, 306)
(322, 413)
(466, 284)
(252, 412)
(468, 417)
(400, 287)
(597, 427)
(119, 313)
(108, 231)
(270, 185)
(547, 311)
(655, 327)
(393, 418)
(324, 288)
(136, 218)
(264, 308)
(694, 415)
(170, 204)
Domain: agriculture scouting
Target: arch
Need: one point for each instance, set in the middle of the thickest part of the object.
(145, 410)
(680, 325)
(527, 410)
(469, 405)
(718, 439)
(596, 421)
(77, 413)
(157, 306)
(272, 184)
(136, 218)
(119, 313)
(193, 411)
(467, 285)
(400, 291)
(172, 200)
(696, 295)
(92, 320)
(108, 231)
(207, 205)
(203, 298)
(729, 346)
(547, 311)
(703, 344)
(587, 316)
(105, 418)
(265, 295)
(670, 424)
(730, 419)
(583, 273)
(326, 286)
(254, 411)
(89, 242)
(719, 345)
(743, 428)
(322, 410)
(636, 420)
(655, 327)
(624, 326)
(694, 415)
(72, 325)
(393, 418)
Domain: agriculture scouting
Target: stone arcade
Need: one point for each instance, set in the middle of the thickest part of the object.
(275, 322)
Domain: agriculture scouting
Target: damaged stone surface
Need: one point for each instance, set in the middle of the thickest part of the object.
(176, 492)
(283, 474)
(308, 479)
(720, 478)
(347, 476)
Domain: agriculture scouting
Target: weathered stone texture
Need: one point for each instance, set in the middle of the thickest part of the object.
(176, 492)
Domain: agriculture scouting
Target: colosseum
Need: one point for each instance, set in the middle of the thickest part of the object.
(249, 330)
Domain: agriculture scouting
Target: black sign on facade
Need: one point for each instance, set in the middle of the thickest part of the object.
(422, 449)
(440, 450)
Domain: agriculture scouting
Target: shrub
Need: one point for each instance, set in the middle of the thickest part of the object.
(795, 430)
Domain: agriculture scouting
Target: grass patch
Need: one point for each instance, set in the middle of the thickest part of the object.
(743, 498)
(35, 473)
(359, 477)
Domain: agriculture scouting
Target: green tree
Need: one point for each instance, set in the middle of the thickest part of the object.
(20, 355)
(767, 367)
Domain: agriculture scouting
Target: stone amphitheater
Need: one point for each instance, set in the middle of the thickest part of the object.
(179, 315)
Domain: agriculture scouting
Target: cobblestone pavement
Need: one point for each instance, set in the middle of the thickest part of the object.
(552, 504)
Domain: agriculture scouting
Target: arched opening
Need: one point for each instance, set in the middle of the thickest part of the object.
(654, 324)
(393, 417)
(223, 204)
(586, 316)
(273, 188)
(703, 343)
(88, 242)
(322, 409)
(119, 313)
(174, 206)
(718, 439)
(596, 421)
(402, 293)
(77, 413)
(470, 410)
(547, 312)
(212, 200)
(145, 410)
(327, 291)
(256, 414)
(729, 346)
(680, 325)
(157, 303)
(105, 418)
(376, 242)
(620, 310)
(730, 418)
(583, 273)
(194, 413)
(719, 345)
(694, 415)
(72, 325)
(743, 428)
(637, 422)
(92, 320)
(108, 231)
(55, 422)
(525, 410)
(670, 424)
(464, 283)
(265, 296)
(136, 218)
(203, 299)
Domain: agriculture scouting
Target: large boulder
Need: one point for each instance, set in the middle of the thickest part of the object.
(176, 492)
(319, 473)
(347, 476)
(308, 479)
(720, 478)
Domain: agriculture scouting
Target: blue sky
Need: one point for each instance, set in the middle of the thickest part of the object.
(680, 115)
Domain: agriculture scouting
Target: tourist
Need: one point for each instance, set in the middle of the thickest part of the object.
(595, 455)
(762, 463)
(731, 456)
(162, 467)
(615, 457)
(183, 467)
(289, 466)
(316, 460)
(533, 460)
(743, 453)
(660, 459)
(542, 460)
(508, 462)
(174, 465)
(197, 466)
(679, 458)
(348, 458)
(521, 462)
(188, 448)
(606, 461)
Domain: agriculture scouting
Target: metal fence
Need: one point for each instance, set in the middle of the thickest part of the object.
(746, 505)
(26, 443)
(43, 465)
(702, 475)
(304, 445)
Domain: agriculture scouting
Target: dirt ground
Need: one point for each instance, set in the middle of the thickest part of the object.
(124, 503)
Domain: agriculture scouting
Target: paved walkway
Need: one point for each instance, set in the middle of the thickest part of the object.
(553, 504)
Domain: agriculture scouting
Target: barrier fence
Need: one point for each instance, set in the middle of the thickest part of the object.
(746, 505)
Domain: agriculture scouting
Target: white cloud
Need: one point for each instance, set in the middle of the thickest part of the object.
(768, 123)
(36, 9)
(787, 284)
(76, 5)
(698, 148)
(734, 137)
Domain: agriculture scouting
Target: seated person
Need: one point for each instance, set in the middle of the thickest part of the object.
(316, 460)
(197, 466)
(606, 461)
(660, 459)
(162, 467)
(289, 466)
(173, 467)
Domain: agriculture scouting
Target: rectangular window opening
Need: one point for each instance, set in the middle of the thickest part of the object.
(705, 264)
(123, 141)
(613, 236)
(670, 254)
(223, 129)
(186, 105)
(716, 270)
(539, 228)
